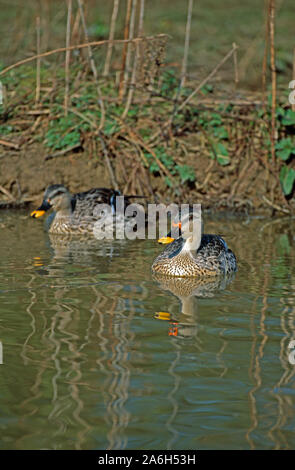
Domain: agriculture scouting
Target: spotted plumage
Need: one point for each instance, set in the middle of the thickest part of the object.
(77, 213)
(196, 255)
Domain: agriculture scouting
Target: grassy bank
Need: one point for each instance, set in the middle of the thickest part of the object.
(202, 142)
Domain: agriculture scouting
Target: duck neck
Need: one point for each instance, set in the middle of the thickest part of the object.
(65, 209)
(64, 212)
(189, 305)
(193, 242)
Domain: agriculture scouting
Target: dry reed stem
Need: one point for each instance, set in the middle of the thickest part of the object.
(9, 144)
(93, 67)
(111, 37)
(124, 53)
(128, 55)
(68, 55)
(7, 193)
(236, 69)
(140, 31)
(273, 77)
(136, 57)
(108, 162)
(76, 29)
(37, 96)
(185, 54)
(275, 206)
(132, 84)
(45, 14)
(264, 63)
(141, 17)
(186, 44)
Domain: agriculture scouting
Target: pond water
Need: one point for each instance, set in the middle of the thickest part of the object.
(88, 362)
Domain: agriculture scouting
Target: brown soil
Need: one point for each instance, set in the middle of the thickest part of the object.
(243, 186)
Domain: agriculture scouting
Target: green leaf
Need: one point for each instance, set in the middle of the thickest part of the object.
(223, 160)
(287, 178)
(111, 127)
(168, 182)
(5, 129)
(285, 148)
(284, 154)
(186, 173)
(216, 120)
(221, 149)
(207, 89)
(280, 112)
(221, 132)
(222, 155)
(289, 118)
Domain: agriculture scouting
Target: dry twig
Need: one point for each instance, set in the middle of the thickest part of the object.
(111, 37)
(273, 77)
(9, 144)
(37, 96)
(93, 67)
(186, 44)
(68, 54)
(124, 53)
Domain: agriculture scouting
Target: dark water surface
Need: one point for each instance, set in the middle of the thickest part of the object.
(89, 363)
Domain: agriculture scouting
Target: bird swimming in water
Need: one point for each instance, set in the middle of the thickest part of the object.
(77, 213)
(194, 254)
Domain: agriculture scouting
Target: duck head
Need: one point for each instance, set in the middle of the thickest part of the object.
(57, 197)
(191, 229)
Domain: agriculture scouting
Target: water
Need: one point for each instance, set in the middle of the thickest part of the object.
(90, 363)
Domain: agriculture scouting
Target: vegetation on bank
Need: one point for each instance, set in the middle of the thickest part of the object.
(157, 137)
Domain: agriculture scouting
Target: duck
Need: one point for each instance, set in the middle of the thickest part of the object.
(194, 254)
(77, 213)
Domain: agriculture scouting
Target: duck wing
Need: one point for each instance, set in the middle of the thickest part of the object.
(213, 251)
(212, 245)
(88, 200)
(84, 203)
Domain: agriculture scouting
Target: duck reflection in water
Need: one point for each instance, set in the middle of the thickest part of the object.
(188, 290)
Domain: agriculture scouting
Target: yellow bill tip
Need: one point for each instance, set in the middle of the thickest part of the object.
(37, 261)
(166, 240)
(37, 213)
(163, 315)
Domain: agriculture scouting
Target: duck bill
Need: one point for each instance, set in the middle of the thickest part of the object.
(37, 213)
(166, 240)
(45, 206)
(163, 315)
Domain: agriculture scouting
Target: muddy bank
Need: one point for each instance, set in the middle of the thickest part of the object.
(214, 151)
(245, 185)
